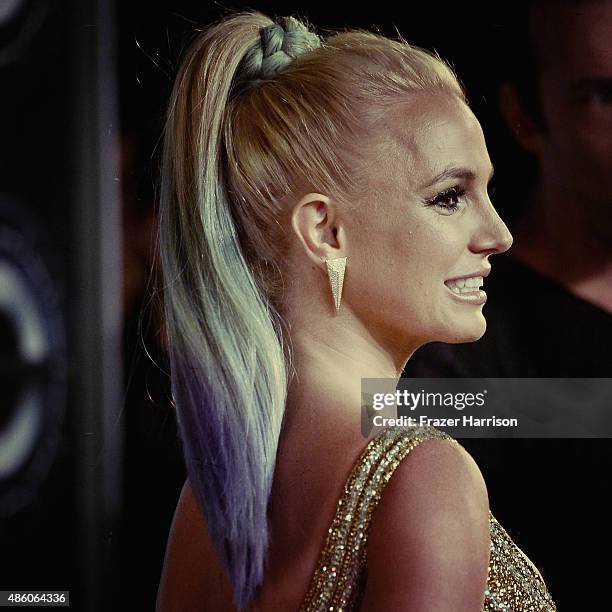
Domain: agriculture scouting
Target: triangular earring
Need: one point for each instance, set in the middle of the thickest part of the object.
(335, 271)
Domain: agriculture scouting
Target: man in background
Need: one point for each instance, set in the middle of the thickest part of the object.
(549, 307)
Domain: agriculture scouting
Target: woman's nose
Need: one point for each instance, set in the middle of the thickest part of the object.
(492, 235)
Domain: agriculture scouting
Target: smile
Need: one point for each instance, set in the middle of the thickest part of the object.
(467, 290)
(465, 285)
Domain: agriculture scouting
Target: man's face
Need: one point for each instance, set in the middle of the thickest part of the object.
(574, 47)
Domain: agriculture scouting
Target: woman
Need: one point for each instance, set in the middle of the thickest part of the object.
(295, 165)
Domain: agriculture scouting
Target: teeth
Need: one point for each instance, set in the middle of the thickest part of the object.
(465, 285)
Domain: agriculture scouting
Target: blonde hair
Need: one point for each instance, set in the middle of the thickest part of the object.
(259, 113)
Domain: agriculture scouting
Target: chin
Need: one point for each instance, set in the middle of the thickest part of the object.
(465, 332)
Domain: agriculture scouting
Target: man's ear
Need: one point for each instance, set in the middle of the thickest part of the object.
(519, 121)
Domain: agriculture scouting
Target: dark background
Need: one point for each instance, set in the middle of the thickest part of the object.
(139, 457)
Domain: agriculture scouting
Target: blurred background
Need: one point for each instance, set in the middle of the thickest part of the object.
(90, 463)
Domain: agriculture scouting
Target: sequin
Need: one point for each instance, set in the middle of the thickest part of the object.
(338, 583)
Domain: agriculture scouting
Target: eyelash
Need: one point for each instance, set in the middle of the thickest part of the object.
(447, 194)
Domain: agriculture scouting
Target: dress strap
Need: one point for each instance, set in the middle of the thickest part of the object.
(340, 572)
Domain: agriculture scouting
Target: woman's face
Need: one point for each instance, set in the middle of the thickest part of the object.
(420, 240)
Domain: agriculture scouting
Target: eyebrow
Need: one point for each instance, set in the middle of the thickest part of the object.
(594, 84)
(455, 172)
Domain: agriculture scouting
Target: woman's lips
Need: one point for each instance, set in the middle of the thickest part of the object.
(467, 290)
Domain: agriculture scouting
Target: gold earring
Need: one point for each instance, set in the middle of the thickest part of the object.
(335, 271)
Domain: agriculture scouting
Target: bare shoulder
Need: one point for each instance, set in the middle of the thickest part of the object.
(192, 578)
(428, 547)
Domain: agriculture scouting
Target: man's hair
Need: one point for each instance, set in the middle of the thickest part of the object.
(523, 48)
(521, 65)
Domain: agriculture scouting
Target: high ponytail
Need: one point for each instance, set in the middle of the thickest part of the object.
(259, 113)
(226, 355)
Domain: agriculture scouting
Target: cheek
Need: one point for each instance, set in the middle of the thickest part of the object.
(407, 270)
(383, 263)
(584, 156)
(595, 142)
(577, 131)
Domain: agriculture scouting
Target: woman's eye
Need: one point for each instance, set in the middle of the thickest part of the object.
(447, 200)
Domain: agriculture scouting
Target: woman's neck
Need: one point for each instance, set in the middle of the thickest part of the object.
(329, 367)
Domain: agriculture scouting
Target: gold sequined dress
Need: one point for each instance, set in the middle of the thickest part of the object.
(514, 584)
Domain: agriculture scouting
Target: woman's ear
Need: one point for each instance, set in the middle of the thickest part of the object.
(519, 121)
(314, 220)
